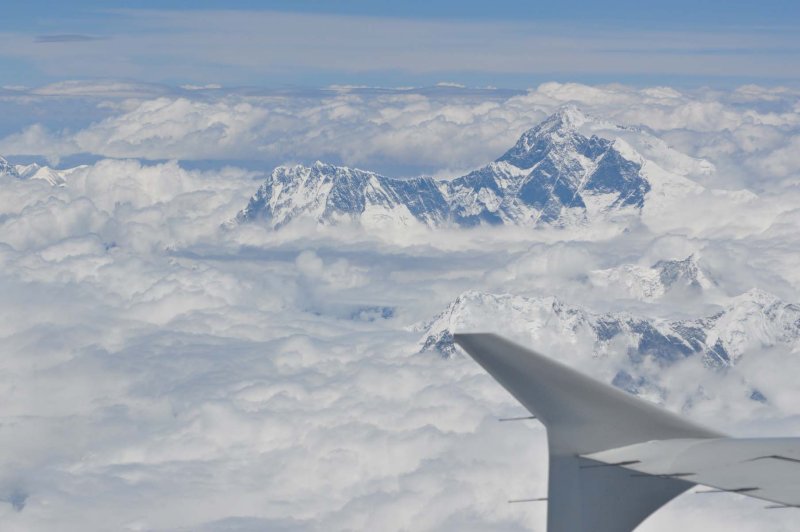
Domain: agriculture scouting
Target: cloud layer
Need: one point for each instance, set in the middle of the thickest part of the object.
(749, 134)
(163, 371)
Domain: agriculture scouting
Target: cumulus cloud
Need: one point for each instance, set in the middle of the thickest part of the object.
(339, 273)
(162, 370)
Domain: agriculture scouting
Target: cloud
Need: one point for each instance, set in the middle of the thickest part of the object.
(339, 273)
(784, 161)
(101, 89)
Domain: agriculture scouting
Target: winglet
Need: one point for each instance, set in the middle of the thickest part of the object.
(582, 415)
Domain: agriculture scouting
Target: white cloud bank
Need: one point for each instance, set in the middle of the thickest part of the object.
(749, 133)
(160, 372)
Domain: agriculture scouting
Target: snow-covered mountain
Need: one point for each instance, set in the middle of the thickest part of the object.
(651, 283)
(554, 174)
(753, 320)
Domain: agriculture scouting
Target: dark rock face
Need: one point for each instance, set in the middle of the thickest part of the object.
(550, 171)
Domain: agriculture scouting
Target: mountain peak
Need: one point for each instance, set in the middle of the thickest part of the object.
(568, 117)
(558, 132)
(559, 125)
(756, 296)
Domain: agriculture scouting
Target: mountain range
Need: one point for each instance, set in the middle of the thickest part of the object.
(568, 170)
(34, 171)
(555, 174)
(751, 321)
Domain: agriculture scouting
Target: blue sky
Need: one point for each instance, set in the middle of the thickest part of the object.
(316, 43)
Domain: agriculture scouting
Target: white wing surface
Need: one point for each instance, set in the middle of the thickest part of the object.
(765, 468)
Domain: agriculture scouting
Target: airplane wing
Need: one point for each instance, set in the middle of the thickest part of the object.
(765, 468)
(614, 458)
